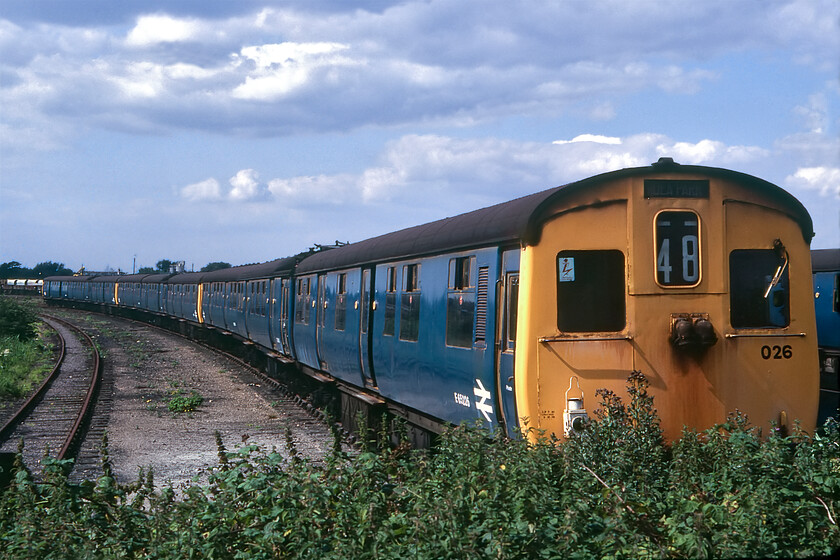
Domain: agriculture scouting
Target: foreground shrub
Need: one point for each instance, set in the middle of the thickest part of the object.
(16, 319)
(614, 491)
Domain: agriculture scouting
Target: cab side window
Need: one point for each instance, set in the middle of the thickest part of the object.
(759, 295)
(590, 291)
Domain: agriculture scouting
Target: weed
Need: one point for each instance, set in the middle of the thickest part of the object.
(180, 402)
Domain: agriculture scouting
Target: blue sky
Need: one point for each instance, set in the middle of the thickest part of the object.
(245, 131)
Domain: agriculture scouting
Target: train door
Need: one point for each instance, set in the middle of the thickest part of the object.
(273, 313)
(284, 317)
(321, 319)
(365, 322)
(507, 308)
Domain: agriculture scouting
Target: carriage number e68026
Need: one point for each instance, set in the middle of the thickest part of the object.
(777, 352)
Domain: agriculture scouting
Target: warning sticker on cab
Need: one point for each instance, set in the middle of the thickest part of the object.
(566, 269)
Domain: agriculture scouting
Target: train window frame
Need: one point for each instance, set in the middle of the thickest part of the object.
(410, 303)
(461, 273)
(582, 306)
(747, 289)
(662, 259)
(302, 300)
(461, 303)
(341, 301)
(389, 321)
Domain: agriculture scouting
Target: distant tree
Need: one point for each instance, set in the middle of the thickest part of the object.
(215, 266)
(163, 265)
(146, 270)
(49, 268)
(13, 269)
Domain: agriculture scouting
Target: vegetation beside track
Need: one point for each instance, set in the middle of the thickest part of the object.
(25, 355)
(616, 491)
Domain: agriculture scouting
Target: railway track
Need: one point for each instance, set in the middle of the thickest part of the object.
(52, 420)
(145, 364)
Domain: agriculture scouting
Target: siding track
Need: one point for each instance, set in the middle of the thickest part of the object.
(51, 422)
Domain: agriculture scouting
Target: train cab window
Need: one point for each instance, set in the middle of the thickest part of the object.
(390, 301)
(677, 243)
(410, 304)
(341, 302)
(590, 291)
(460, 303)
(759, 296)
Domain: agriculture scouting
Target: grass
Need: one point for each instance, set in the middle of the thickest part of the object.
(23, 364)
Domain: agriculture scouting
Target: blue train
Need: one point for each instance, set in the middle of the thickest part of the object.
(826, 265)
(514, 315)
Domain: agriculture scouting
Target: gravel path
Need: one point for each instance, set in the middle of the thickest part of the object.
(149, 366)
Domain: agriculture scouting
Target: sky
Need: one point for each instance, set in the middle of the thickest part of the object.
(214, 130)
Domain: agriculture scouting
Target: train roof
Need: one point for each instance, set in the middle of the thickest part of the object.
(155, 278)
(133, 277)
(278, 267)
(825, 260)
(185, 278)
(73, 278)
(519, 220)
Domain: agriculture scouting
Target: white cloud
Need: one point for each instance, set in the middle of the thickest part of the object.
(317, 190)
(161, 28)
(706, 151)
(824, 180)
(421, 168)
(245, 185)
(596, 138)
(285, 67)
(204, 190)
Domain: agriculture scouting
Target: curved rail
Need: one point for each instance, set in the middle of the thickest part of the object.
(90, 396)
(85, 409)
(29, 404)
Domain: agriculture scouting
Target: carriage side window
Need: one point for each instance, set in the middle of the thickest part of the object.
(677, 243)
(390, 301)
(410, 303)
(341, 302)
(590, 291)
(759, 294)
(302, 301)
(460, 303)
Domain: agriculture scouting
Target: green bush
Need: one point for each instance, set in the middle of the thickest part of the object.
(614, 491)
(181, 402)
(16, 319)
